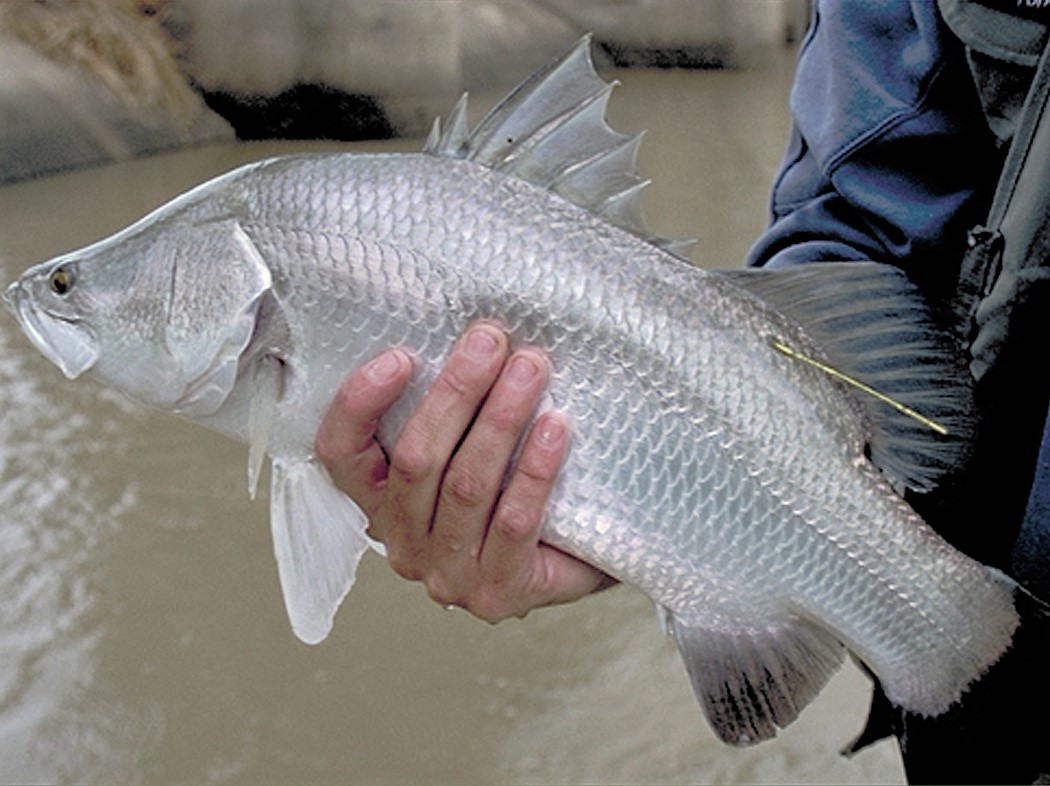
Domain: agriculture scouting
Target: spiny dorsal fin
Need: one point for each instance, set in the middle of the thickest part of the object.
(551, 131)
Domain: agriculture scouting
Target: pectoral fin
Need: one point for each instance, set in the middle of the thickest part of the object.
(210, 384)
(266, 392)
(318, 537)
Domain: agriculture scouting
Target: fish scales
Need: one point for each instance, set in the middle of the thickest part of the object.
(742, 403)
(722, 477)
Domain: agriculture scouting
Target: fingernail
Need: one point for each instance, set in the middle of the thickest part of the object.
(523, 369)
(550, 431)
(481, 343)
(383, 368)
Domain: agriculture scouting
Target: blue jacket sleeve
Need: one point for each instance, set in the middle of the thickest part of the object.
(890, 158)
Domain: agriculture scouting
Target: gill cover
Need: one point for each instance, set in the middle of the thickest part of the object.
(212, 308)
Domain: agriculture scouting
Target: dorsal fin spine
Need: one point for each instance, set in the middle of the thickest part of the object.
(457, 134)
(451, 140)
(588, 182)
(628, 149)
(433, 138)
(624, 203)
(589, 113)
(551, 132)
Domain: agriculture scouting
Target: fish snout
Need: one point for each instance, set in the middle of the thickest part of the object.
(11, 295)
(69, 344)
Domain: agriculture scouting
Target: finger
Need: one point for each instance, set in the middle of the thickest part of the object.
(561, 578)
(346, 439)
(509, 561)
(516, 522)
(518, 573)
(475, 476)
(431, 435)
(552, 577)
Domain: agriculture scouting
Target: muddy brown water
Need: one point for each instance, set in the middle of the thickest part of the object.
(142, 633)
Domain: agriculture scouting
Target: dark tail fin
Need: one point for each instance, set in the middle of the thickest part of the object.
(996, 734)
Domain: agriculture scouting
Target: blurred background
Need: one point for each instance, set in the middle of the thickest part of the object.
(83, 81)
(142, 633)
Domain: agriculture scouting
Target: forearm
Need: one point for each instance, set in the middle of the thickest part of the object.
(892, 164)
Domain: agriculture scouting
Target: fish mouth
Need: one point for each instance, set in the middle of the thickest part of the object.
(10, 298)
(69, 345)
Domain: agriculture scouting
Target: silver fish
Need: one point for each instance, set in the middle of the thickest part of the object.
(737, 435)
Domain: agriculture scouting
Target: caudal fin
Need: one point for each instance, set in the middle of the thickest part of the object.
(996, 733)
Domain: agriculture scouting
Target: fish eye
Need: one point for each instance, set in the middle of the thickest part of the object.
(61, 280)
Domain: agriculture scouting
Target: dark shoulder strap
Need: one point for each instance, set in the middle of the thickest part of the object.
(1007, 258)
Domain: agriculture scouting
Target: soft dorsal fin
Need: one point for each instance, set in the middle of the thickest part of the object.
(551, 131)
(873, 326)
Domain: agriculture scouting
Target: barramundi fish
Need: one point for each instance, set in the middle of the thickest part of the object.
(739, 438)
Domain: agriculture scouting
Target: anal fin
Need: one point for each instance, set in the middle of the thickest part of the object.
(750, 683)
(319, 538)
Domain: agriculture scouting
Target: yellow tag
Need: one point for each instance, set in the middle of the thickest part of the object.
(831, 372)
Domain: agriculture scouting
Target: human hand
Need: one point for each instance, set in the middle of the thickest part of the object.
(436, 502)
